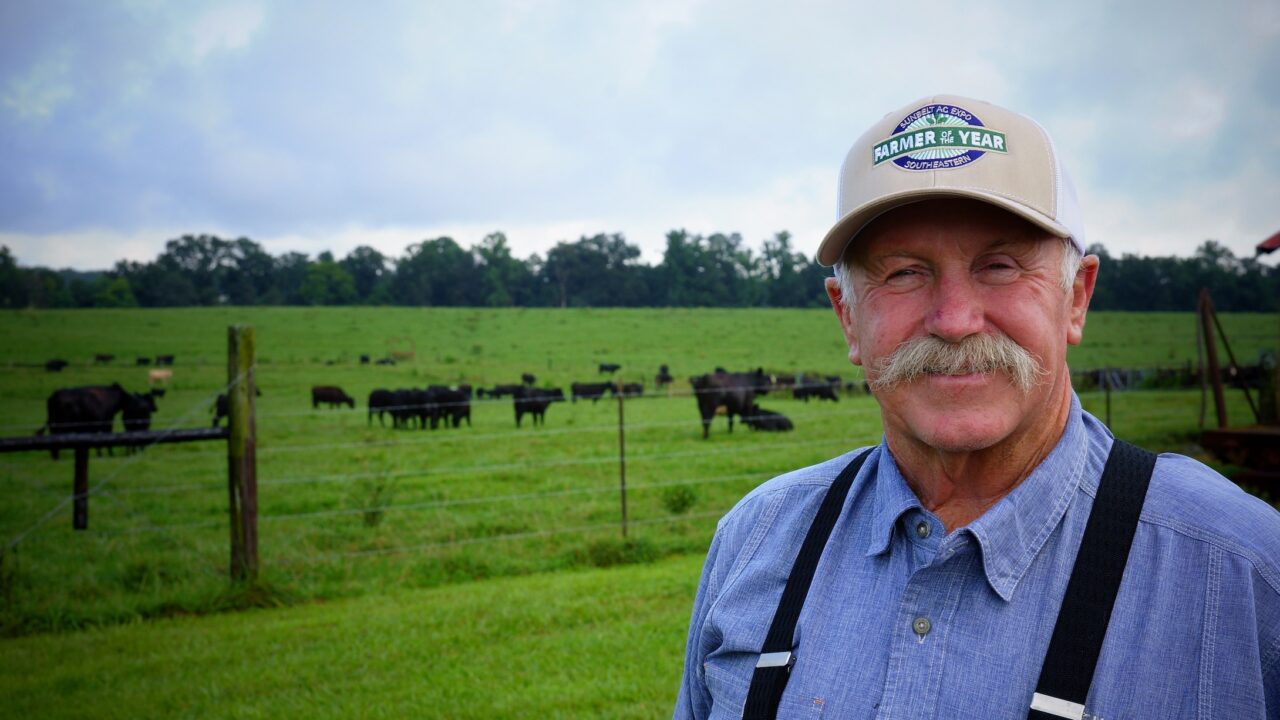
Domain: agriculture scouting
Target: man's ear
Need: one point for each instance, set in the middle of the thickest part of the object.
(1081, 293)
(846, 319)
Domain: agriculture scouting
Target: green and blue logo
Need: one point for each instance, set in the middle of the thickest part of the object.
(938, 137)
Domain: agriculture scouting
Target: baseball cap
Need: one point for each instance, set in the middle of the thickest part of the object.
(953, 146)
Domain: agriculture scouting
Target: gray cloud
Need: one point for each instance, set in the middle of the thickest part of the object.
(124, 124)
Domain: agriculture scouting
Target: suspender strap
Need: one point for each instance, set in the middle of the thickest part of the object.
(774, 666)
(1091, 592)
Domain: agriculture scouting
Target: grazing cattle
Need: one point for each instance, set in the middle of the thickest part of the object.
(142, 361)
(767, 420)
(159, 376)
(610, 368)
(384, 361)
(330, 395)
(90, 409)
(663, 378)
(405, 406)
(808, 386)
(735, 392)
(528, 378)
(364, 359)
(220, 406)
(103, 359)
(535, 402)
(592, 391)
(453, 406)
(162, 360)
(55, 365)
(632, 389)
(382, 401)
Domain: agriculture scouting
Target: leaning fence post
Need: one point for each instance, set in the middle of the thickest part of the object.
(242, 462)
(622, 462)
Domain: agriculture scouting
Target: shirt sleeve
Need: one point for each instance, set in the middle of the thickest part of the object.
(694, 702)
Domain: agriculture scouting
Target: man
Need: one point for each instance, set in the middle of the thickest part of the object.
(927, 577)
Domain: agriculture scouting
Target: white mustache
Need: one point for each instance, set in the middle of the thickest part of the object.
(975, 354)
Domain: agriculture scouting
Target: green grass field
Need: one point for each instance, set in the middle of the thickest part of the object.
(371, 520)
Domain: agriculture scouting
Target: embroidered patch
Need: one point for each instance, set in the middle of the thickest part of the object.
(938, 137)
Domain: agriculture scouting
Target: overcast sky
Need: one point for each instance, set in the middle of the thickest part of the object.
(310, 126)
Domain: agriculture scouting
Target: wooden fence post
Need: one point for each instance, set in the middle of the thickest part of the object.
(242, 461)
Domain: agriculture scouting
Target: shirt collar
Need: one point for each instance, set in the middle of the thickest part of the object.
(1010, 533)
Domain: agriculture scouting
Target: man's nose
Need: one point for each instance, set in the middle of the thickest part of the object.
(956, 311)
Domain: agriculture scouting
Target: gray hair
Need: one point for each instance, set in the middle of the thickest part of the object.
(1071, 259)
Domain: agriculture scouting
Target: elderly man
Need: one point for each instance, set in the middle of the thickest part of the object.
(998, 554)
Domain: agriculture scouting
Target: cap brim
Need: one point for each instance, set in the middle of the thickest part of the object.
(847, 228)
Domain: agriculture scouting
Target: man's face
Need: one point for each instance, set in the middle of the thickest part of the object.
(951, 269)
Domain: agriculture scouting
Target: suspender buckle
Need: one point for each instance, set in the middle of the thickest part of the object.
(776, 659)
(1057, 707)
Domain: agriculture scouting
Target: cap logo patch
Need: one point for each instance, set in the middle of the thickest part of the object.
(938, 137)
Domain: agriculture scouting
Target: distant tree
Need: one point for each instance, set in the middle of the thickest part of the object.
(12, 287)
(326, 283)
(436, 273)
(113, 292)
(368, 269)
(504, 279)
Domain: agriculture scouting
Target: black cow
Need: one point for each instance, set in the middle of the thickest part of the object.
(610, 368)
(406, 405)
(528, 378)
(663, 378)
(809, 386)
(142, 361)
(452, 406)
(162, 360)
(137, 414)
(632, 389)
(220, 406)
(592, 391)
(89, 409)
(55, 365)
(103, 359)
(767, 420)
(735, 392)
(330, 395)
(384, 361)
(535, 401)
(381, 401)
(364, 359)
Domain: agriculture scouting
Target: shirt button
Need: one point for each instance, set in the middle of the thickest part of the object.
(922, 529)
(921, 625)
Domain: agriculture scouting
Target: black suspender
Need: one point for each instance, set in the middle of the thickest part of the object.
(774, 667)
(1082, 621)
(1091, 592)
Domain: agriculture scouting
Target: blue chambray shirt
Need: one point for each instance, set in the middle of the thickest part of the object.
(1195, 632)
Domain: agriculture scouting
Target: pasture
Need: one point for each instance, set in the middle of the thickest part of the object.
(349, 508)
(368, 514)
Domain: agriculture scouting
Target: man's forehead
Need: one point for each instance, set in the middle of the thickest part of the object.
(946, 225)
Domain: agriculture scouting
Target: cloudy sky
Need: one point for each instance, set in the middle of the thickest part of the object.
(310, 126)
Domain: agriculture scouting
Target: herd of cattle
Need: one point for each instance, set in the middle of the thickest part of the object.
(93, 409)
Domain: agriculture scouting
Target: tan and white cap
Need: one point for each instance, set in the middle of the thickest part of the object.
(952, 146)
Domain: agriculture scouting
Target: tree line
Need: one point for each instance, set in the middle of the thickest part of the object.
(716, 270)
